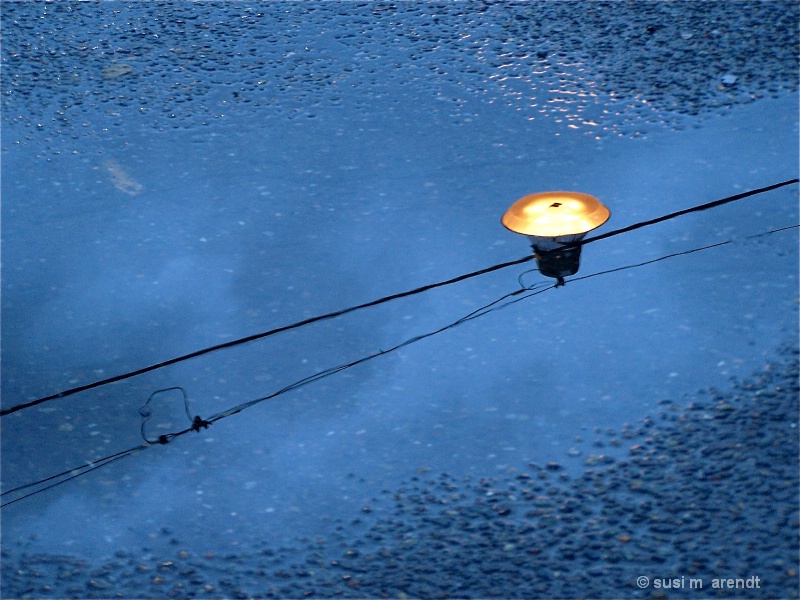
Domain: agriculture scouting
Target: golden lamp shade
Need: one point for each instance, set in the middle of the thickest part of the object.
(555, 214)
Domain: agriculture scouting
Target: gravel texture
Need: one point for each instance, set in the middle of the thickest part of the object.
(708, 490)
(88, 69)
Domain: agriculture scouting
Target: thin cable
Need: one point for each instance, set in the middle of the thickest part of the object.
(486, 309)
(74, 473)
(338, 313)
(166, 438)
(333, 370)
(683, 253)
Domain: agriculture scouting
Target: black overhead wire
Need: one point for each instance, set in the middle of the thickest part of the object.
(258, 336)
(685, 211)
(338, 313)
(198, 423)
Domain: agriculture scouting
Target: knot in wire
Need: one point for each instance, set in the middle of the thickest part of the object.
(199, 423)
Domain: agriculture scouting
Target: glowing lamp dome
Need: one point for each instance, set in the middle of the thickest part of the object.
(555, 214)
(551, 220)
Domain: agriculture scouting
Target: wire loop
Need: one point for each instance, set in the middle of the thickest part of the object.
(146, 411)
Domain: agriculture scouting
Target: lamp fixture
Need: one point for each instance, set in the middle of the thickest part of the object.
(552, 221)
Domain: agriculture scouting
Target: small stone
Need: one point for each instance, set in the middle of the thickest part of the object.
(118, 70)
